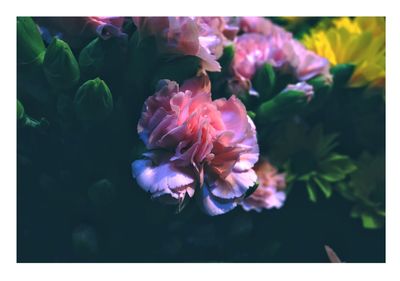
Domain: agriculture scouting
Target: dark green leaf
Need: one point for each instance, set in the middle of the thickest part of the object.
(312, 193)
(325, 186)
(264, 81)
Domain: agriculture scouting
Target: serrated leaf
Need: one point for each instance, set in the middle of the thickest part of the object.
(332, 174)
(312, 193)
(327, 143)
(325, 186)
(341, 161)
(336, 167)
(370, 221)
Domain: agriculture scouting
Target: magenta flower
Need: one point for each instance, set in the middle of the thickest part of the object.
(263, 42)
(203, 37)
(196, 144)
(269, 193)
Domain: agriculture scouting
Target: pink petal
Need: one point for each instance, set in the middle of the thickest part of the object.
(234, 185)
(234, 116)
(161, 178)
(212, 206)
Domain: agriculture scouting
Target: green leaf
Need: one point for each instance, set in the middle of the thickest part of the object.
(325, 186)
(227, 56)
(370, 221)
(251, 114)
(312, 193)
(333, 174)
(336, 167)
(20, 110)
(342, 74)
(251, 190)
(264, 81)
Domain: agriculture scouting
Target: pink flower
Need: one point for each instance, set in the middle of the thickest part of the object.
(307, 64)
(78, 31)
(265, 42)
(196, 144)
(269, 193)
(203, 37)
(302, 87)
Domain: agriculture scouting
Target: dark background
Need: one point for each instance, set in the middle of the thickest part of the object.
(58, 222)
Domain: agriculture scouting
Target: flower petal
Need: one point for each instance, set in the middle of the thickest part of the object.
(234, 185)
(161, 178)
(212, 206)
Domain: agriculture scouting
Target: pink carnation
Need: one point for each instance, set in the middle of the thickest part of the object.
(203, 37)
(196, 144)
(265, 42)
(269, 193)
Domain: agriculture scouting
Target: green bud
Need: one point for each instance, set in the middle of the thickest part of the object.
(85, 242)
(102, 193)
(24, 120)
(264, 81)
(284, 104)
(91, 58)
(60, 66)
(30, 46)
(342, 74)
(93, 101)
(20, 110)
(322, 87)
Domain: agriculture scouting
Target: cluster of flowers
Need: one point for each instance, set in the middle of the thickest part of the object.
(208, 148)
(199, 144)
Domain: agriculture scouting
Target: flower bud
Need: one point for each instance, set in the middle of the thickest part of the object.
(85, 242)
(102, 193)
(284, 104)
(60, 66)
(342, 74)
(30, 46)
(93, 101)
(91, 58)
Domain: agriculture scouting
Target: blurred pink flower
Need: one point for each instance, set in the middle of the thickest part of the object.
(265, 42)
(196, 144)
(203, 37)
(303, 87)
(78, 31)
(269, 193)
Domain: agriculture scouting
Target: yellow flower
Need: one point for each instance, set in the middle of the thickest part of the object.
(359, 41)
